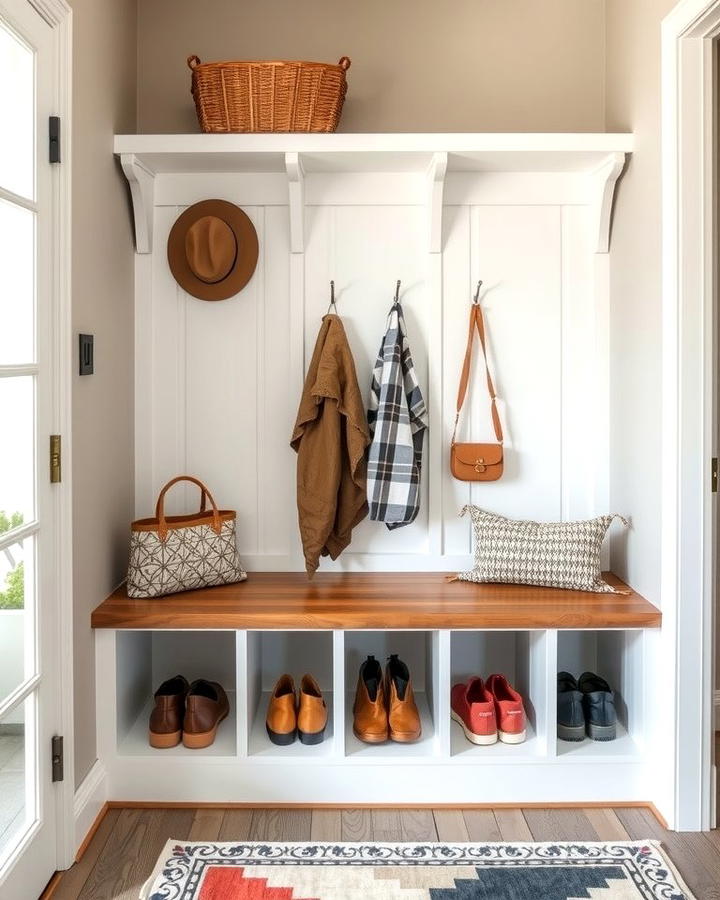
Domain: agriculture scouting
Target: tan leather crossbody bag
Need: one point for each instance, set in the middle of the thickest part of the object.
(476, 462)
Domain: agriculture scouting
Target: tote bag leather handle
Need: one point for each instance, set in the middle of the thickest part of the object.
(476, 322)
(204, 495)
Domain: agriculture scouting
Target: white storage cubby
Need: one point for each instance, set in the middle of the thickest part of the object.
(443, 767)
(419, 650)
(271, 654)
(522, 656)
(144, 659)
(617, 656)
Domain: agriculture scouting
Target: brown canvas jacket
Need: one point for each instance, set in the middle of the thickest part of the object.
(330, 437)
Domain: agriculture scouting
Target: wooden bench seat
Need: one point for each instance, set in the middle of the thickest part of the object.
(377, 600)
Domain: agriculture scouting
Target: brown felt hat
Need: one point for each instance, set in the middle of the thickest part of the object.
(213, 250)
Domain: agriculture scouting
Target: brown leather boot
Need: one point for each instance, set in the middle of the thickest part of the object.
(312, 712)
(370, 720)
(281, 719)
(166, 719)
(403, 715)
(206, 706)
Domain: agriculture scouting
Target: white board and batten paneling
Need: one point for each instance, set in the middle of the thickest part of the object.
(218, 383)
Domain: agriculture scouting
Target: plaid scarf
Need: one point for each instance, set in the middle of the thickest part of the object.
(397, 418)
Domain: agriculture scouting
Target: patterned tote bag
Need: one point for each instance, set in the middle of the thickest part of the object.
(169, 554)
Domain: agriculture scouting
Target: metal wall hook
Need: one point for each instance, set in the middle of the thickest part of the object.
(333, 304)
(397, 291)
(476, 298)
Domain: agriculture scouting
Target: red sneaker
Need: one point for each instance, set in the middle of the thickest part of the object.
(509, 710)
(473, 708)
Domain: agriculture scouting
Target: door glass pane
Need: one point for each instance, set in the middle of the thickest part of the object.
(17, 608)
(17, 291)
(17, 132)
(17, 456)
(15, 787)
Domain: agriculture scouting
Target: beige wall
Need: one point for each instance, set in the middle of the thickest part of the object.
(633, 104)
(418, 65)
(104, 82)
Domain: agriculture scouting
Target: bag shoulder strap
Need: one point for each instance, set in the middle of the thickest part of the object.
(477, 322)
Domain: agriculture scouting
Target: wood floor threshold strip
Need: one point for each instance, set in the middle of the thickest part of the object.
(377, 600)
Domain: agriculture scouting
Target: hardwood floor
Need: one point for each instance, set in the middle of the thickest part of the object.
(126, 845)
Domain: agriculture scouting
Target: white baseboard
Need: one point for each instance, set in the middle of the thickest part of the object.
(89, 799)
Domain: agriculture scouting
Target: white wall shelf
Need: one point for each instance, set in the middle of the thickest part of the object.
(434, 156)
(488, 152)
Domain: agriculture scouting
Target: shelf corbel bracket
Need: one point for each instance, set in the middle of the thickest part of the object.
(142, 191)
(603, 180)
(435, 185)
(296, 195)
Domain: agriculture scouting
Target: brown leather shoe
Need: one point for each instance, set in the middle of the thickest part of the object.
(403, 715)
(281, 718)
(205, 708)
(166, 719)
(370, 720)
(312, 712)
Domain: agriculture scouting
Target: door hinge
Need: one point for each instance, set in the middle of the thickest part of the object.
(58, 758)
(54, 139)
(55, 459)
(714, 475)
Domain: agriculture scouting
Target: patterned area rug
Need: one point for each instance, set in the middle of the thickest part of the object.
(282, 871)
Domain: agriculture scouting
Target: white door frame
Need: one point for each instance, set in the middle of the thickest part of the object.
(688, 443)
(58, 14)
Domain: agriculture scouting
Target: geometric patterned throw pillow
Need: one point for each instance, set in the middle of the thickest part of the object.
(545, 554)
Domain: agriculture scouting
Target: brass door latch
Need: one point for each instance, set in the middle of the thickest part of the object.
(55, 459)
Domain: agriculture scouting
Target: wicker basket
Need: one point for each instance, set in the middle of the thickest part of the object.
(268, 96)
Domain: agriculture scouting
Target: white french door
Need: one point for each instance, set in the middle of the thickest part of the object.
(30, 583)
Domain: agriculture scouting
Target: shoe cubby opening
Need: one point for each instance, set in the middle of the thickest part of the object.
(419, 650)
(616, 656)
(521, 656)
(144, 659)
(271, 654)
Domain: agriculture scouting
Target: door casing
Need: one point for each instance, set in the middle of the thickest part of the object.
(689, 396)
(58, 15)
